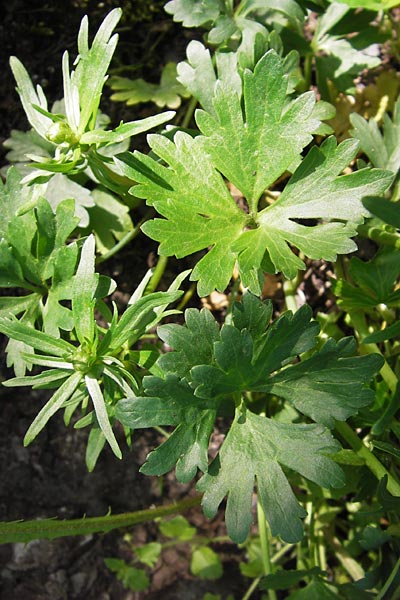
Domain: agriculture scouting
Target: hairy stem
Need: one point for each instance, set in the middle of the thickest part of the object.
(51, 529)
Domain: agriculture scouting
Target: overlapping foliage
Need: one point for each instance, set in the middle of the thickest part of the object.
(259, 187)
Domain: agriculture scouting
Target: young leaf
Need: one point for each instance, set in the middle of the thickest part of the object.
(36, 339)
(84, 288)
(92, 66)
(257, 448)
(30, 98)
(63, 394)
(254, 149)
(206, 564)
(100, 408)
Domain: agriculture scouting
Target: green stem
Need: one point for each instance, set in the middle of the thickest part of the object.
(51, 529)
(379, 235)
(189, 112)
(157, 274)
(265, 549)
(389, 581)
(252, 588)
(374, 464)
(128, 237)
(359, 323)
(289, 289)
(308, 70)
(361, 328)
(187, 296)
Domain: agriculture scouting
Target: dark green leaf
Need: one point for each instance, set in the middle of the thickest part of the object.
(256, 448)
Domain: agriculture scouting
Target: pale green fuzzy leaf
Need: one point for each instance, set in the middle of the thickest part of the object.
(100, 408)
(125, 130)
(383, 150)
(14, 305)
(255, 449)
(63, 393)
(138, 316)
(61, 187)
(29, 97)
(92, 65)
(47, 379)
(95, 445)
(193, 13)
(83, 293)
(36, 339)
(198, 76)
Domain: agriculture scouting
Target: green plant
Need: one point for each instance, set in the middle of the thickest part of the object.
(254, 180)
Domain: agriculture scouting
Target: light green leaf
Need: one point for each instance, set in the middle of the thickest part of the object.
(134, 91)
(206, 564)
(100, 408)
(83, 293)
(37, 339)
(149, 553)
(138, 316)
(177, 528)
(63, 393)
(92, 65)
(252, 150)
(193, 13)
(125, 130)
(30, 97)
(383, 150)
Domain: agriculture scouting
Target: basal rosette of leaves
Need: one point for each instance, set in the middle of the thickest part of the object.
(95, 366)
(251, 140)
(250, 369)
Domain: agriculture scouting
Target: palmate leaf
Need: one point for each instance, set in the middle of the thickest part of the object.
(251, 355)
(257, 447)
(252, 149)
